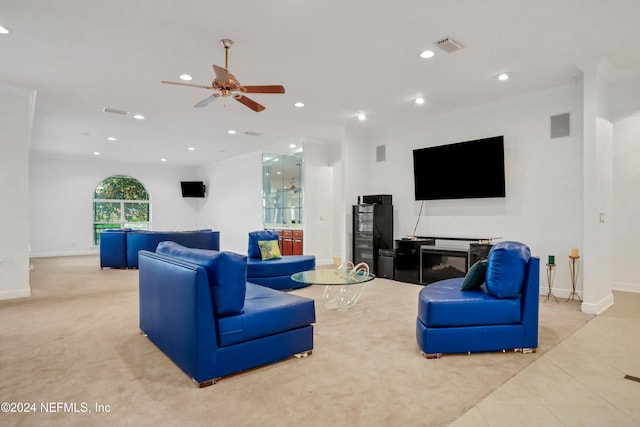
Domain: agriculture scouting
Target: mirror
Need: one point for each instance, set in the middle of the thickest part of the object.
(282, 189)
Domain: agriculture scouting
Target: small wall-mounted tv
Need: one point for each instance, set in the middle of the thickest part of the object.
(465, 170)
(192, 188)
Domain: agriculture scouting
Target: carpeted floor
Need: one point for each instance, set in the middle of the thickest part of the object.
(76, 342)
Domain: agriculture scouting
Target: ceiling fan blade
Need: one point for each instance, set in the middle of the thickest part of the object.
(222, 75)
(208, 100)
(249, 103)
(263, 89)
(187, 84)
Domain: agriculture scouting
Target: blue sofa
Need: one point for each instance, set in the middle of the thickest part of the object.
(501, 314)
(198, 309)
(274, 273)
(119, 247)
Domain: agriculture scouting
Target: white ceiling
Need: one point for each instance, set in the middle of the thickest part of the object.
(339, 57)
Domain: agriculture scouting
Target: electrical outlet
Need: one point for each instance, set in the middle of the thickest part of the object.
(601, 216)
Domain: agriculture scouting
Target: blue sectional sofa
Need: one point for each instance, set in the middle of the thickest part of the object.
(274, 273)
(119, 247)
(198, 309)
(500, 314)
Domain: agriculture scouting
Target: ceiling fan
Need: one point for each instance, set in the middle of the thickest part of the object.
(227, 85)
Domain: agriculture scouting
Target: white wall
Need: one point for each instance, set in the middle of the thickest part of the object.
(318, 202)
(16, 113)
(626, 204)
(234, 200)
(61, 200)
(543, 206)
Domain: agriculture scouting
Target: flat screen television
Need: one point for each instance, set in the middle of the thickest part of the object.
(192, 188)
(465, 170)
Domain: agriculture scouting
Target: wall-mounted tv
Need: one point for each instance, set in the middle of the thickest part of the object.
(192, 188)
(465, 170)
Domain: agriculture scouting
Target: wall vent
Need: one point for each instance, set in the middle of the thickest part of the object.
(115, 111)
(560, 125)
(449, 45)
(381, 153)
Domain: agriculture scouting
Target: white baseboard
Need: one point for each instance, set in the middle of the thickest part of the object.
(626, 287)
(15, 293)
(591, 308)
(598, 307)
(58, 254)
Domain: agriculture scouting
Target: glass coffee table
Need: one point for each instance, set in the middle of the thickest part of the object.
(342, 287)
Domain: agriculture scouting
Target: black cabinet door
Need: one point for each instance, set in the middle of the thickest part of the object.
(407, 268)
(372, 231)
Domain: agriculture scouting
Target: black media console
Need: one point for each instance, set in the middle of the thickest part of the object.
(427, 259)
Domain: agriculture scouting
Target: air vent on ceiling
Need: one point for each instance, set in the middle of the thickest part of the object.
(251, 133)
(115, 111)
(449, 45)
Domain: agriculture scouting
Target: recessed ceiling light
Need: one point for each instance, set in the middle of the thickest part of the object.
(292, 145)
(362, 116)
(299, 104)
(3, 30)
(231, 132)
(96, 153)
(163, 159)
(419, 100)
(186, 77)
(427, 54)
(138, 117)
(191, 149)
(112, 138)
(503, 76)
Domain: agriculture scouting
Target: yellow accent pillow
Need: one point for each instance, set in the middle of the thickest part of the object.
(269, 249)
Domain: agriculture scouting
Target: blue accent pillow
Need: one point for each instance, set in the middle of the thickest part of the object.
(506, 267)
(253, 251)
(226, 271)
(476, 275)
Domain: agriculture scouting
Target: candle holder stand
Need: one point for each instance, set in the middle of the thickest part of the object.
(551, 272)
(574, 269)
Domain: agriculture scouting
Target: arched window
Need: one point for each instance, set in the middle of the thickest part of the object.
(120, 202)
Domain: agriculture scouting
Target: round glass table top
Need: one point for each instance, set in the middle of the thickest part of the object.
(331, 277)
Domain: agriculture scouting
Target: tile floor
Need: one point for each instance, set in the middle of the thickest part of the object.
(580, 382)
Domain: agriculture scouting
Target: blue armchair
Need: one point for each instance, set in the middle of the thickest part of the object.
(274, 273)
(501, 314)
(198, 309)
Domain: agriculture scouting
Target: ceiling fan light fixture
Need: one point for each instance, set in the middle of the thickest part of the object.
(227, 85)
